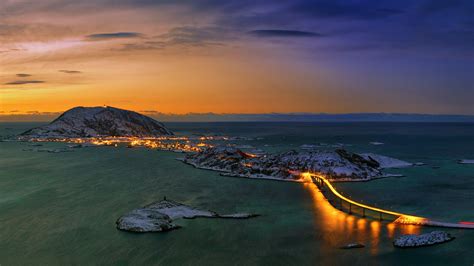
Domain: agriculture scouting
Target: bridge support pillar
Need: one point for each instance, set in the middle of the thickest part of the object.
(350, 208)
(363, 212)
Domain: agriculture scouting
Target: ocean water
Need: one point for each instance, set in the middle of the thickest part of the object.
(61, 208)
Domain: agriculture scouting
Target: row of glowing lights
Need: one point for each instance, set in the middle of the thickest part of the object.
(176, 143)
(187, 146)
(164, 143)
(402, 218)
(128, 139)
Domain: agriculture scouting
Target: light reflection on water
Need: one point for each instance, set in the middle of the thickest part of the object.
(352, 228)
(49, 213)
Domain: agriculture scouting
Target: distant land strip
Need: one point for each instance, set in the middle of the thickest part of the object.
(268, 117)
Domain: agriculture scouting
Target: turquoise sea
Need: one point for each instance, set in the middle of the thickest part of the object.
(61, 208)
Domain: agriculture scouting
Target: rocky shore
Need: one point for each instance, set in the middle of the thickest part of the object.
(160, 216)
(59, 150)
(429, 239)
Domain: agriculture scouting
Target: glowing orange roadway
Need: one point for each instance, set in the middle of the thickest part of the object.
(402, 218)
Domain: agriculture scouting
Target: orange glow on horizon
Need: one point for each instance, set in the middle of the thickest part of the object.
(176, 85)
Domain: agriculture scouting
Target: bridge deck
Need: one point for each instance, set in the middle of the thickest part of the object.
(322, 182)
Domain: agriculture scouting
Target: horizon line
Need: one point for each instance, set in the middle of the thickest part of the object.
(266, 117)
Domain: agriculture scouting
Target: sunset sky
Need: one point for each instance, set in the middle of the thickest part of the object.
(237, 56)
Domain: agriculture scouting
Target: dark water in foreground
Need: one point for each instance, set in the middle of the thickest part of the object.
(61, 208)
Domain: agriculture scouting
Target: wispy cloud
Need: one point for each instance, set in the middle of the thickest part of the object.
(183, 36)
(112, 36)
(284, 33)
(195, 36)
(146, 45)
(23, 75)
(70, 71)
(10, 50)
(23, 82)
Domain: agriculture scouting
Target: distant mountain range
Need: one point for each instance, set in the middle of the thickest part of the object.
(313, 117)
(271, 117)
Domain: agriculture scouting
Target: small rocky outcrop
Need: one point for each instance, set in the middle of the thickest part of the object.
(160, 216)
(146, 220)
(353, 245)
(357, 159)
(429, 239)
(84, 122)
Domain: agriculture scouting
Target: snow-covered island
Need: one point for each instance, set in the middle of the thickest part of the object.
(376, 143)
(87, 122)
(338, 165)
(108, 126)
(160, 217)
(466, 161)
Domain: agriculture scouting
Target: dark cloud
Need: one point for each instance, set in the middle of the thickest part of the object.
(387, 26)
(70, 71)
(432, 6)
(362, 10)
(23, 75)
(23, 82)
(377, 22)
(113, 35)
(35, 112)
(284, 33)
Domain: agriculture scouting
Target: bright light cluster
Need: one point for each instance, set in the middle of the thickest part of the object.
(168, 143)
(413, 220)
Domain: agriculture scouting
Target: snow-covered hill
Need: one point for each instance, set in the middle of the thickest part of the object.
(81, 122)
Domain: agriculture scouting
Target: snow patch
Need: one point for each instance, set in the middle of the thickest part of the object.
(387, 162)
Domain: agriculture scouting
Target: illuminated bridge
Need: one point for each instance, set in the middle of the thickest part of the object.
(350, 206)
